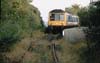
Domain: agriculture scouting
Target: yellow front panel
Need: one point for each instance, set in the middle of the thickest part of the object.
(57, 23)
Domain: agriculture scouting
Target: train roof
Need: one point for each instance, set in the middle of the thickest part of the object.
(57, 11)
(71, 14)
(62, 11)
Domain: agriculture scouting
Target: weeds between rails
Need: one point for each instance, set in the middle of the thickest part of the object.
(51, 38)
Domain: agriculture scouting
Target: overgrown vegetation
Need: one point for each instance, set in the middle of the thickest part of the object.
(90, 17)
(83, 15)
(18, 20)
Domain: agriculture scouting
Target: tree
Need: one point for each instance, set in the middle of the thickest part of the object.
(91, 19)
(83, 16)
(74, 9)
(15, 19)
(94, 18)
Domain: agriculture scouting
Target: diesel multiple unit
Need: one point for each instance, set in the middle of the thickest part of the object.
(59, 19)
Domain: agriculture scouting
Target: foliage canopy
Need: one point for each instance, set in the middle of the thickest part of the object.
(18, 19)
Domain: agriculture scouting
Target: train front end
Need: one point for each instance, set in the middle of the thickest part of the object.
(56, 18)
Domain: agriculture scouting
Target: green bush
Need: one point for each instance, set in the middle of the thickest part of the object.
(18, 19)
(91, 18)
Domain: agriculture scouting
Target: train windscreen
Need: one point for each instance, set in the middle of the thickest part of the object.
(57, 17)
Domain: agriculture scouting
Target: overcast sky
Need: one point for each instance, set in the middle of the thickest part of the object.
(45, 6)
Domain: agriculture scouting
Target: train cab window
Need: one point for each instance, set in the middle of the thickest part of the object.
(52, 17)
(61, 16)
(57, 17)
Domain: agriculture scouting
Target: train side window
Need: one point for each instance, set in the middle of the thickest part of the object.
(77, 19)
(70, 19)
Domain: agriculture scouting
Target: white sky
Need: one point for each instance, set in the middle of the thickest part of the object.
(45, 6)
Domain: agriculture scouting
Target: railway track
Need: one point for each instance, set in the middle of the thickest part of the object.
(54, 54)
(51, 39)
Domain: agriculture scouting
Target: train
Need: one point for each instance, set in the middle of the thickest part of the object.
(59, 19)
